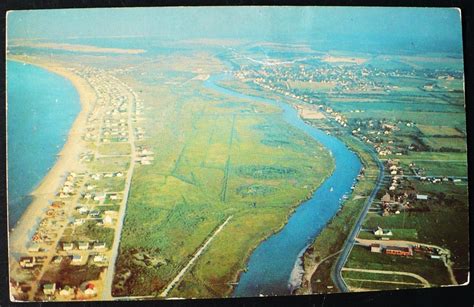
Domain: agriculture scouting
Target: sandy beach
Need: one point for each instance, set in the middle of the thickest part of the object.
(68, 160)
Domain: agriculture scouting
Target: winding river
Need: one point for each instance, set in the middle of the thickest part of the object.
(274, 268)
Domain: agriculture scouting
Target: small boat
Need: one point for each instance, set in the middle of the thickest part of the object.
(331, 189)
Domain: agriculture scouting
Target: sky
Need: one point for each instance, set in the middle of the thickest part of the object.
(428, 28)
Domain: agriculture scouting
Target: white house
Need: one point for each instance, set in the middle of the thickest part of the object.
(49, 289)
(76, 259)
(68, 246)
(83, 245)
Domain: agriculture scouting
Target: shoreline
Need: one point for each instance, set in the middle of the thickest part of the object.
(67, 159)
(293, 208)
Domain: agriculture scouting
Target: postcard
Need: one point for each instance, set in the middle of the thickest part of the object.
(246, 151)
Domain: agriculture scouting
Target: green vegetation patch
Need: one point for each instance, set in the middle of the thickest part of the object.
(111, 164)
(409, 234)
(379, 285)
(429, 130)
(265, 172)
(91, 231)
(446, 143)
(255, 190)
(380, 277)
(113, 184)
(73, 276)
(231, 104)
(114, 149)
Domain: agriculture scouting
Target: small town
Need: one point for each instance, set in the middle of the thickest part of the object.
(71, 253)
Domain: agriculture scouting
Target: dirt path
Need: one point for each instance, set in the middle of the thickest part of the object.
(416, 276)
(385, 281)
(309, 274)
(193, 259)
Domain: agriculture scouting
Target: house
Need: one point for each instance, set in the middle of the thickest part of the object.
(63, 195)
(78, 222)
(99, 258)
(113, 196)
(380, 232)
(386, 198)
(68, 246)
(76, 259)
(90, 290)
(83, 245)
(57, 204)
(399, 251)
(95, 176)
(421, 197)
(27, 262)
(49, 289)
(375, 248)
(108, 220)
(82, 210)
(99, 245)
(94, 213)
(66, 291)
(35, 247)
(99, 196)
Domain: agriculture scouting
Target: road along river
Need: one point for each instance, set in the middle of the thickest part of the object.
(274, 268)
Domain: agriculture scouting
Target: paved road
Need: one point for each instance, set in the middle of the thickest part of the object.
(193, 259)
(349, 243)
(107, 290)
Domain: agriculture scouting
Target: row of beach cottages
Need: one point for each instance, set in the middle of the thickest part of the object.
(139, 133)
(144, 156)
(30, 262)
(68, 186)
(45, 231)
(138, 107)
(78, 258)
(50, 289)
(112, 128)
(98, 176)
(107, 220)
(69, 246)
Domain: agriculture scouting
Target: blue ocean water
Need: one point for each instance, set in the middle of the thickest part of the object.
(41, 107)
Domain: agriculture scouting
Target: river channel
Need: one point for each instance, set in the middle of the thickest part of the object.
(274, 268)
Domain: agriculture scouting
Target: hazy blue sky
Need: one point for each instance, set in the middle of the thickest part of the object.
(403, 26)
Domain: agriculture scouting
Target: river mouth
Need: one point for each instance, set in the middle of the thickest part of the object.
(274, 267)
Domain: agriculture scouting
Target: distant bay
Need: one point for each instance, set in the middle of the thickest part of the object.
(41, 107)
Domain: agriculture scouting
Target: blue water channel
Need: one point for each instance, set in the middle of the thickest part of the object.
(274, 266)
